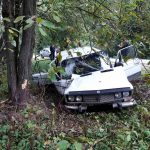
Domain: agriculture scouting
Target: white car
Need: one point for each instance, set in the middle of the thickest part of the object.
(92, 80)
(45, 52)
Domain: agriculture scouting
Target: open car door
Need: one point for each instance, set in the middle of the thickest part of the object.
(127, 57)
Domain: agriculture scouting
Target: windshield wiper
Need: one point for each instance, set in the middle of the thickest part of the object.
(86, 74)
(107, 70)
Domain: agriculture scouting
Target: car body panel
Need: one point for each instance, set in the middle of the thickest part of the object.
(100, 81)
(132, 69)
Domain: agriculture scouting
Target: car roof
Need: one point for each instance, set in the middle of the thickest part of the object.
(77, 52)
(46, 48)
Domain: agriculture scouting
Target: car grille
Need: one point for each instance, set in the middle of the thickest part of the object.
(99, 98)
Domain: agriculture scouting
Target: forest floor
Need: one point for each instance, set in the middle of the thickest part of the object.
(45, 124)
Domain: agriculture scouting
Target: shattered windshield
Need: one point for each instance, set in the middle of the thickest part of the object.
(85, 64)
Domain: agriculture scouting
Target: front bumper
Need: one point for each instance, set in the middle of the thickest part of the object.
(130, 103)
(114, 105)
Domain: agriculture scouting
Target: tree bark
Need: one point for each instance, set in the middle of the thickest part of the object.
(19, 57)
(7, 11)
(26, 50)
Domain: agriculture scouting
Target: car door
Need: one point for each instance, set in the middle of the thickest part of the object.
(127, 57)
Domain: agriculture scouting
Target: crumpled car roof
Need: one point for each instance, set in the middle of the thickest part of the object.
(79, 50)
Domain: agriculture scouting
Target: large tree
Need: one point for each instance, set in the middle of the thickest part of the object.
(18, 55)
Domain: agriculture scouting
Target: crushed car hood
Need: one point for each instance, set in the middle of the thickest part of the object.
(100, 81)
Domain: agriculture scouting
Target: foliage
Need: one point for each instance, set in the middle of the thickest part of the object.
(55, 72)
(40, 65)
(46, 65)
(100, 23)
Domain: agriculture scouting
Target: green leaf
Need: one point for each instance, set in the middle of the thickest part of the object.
(147, 133)
(19, 18)
(27, 26)
(56, 18)
(14, 29)
(78, 53)
(141, 53)
(78, 146)
(48, 24)
(4, 128)
(30, 124)
(63, 145)
(51, 74)
(6, 19)
(13, 43)
(60, 70)
(12, 32)
(59, 57)
(103, 23)
(39, 20)
(11, 50)
(42, 32)
(29, 21)
(128, 137)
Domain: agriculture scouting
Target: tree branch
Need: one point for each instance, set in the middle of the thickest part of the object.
(86, 28)
(108, 19)
(89, 12)
(102, 4)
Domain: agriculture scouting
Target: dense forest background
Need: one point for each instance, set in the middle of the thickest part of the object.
(30, 119)
(99, 23)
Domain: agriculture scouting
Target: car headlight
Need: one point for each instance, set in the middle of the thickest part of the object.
(71, 98)
(118, 95)
(79, 98)
(126, 94)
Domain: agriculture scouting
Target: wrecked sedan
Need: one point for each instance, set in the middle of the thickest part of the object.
(90, 79)
(94, 81)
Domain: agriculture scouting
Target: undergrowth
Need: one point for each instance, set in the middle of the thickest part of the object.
(38, 127)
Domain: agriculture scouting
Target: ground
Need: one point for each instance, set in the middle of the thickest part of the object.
(45, 124)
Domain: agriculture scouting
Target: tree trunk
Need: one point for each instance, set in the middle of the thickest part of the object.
(7, 9)
(26, 50)
(19, 59)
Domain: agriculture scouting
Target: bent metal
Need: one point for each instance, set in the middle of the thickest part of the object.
(94, 79)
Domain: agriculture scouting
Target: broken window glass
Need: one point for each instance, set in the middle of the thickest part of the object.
(84, 64)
